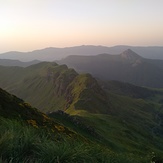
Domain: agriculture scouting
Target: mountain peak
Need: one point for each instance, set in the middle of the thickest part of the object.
(130, 55)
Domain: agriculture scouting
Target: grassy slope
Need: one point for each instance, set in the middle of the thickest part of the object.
(21, 143)
(28, 135)
(87, 94)
(133, 125)
(12, 107)
(131, 128)
(50, 87)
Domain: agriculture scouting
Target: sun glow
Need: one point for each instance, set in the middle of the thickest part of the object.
(27, 25)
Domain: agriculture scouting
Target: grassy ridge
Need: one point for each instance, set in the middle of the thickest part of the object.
(28, 135)
(86, 94)
(132, 127)
(12, 107)
(50, 87)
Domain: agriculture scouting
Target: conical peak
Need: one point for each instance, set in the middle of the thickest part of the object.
(130, 55)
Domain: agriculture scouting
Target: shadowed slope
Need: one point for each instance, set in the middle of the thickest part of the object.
(127, 67)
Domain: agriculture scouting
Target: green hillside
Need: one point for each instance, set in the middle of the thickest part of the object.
(133, 128)
(14, 108)
(50, 87)
(121, 119)
(28, 135)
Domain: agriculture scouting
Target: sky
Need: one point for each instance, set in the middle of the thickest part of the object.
(27, 25)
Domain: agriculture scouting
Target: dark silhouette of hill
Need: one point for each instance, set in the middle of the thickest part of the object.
(127, 67)
(52, 54)
(9, 62)
(126, 89)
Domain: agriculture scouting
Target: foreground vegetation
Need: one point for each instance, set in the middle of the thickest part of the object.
(21, 143)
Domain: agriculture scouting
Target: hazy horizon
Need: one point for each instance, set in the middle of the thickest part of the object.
(30, 25)
(76, 46)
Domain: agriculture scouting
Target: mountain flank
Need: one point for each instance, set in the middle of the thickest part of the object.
(121, 117)
(29, 135)
(14, 108)
(50, 87)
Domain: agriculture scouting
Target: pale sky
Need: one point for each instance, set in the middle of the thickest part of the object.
(27, 25)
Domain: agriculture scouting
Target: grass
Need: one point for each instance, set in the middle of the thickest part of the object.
(21, 143)
(129, 128)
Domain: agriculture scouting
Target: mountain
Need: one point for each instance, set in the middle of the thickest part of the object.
(124, 119)
(14, 108)
(126, 89)
(52, 54)
(50, 87)
(27, 135)
(9, 62)
(126, 67)
(134, 124)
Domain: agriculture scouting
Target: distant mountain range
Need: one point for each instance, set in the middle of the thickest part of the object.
(52, 54)
(126, 67)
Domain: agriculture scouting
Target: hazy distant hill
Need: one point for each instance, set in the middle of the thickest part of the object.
(127, 67)
(51, 54)
(9, 62)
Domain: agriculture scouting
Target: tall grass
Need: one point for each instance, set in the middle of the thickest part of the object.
(23, 144)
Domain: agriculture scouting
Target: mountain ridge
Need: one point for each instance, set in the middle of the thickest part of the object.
(14, 108)
(52, 53)
(49, 86)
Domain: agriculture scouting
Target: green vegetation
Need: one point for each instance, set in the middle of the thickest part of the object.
(21, 143)
(40, 139)
(84, 93)
(98, 122)
(50, 87)
(12, 107)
